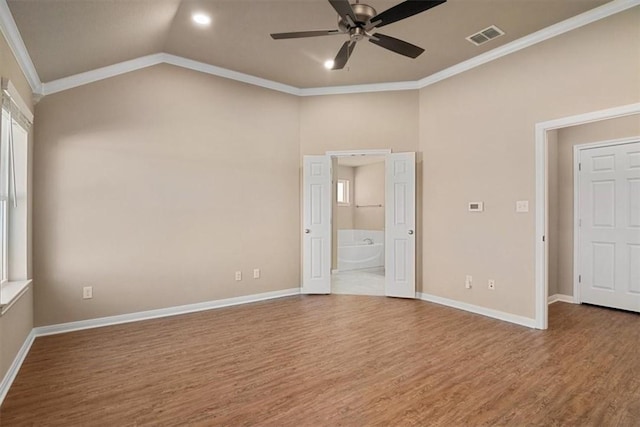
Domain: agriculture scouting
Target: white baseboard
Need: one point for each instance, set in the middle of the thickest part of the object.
(209, 305)
(496, 314)
(162, 312)
(15, 366)
(561, 298)
(126, 318)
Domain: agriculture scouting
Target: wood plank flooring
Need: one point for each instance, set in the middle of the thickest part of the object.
(336, 360)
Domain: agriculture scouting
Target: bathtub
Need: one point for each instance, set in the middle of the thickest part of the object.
(354, 252)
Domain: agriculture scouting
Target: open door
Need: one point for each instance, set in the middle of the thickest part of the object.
(400, 220)
(316, 233)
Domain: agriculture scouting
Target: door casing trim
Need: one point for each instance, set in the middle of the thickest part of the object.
(541, 197)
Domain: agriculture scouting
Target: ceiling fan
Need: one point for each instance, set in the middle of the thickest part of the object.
(360, 20)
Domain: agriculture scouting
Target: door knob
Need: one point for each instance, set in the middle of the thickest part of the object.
(307, 231)
(410, 232)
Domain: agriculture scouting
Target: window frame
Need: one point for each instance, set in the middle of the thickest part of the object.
(346, 193)
(6, 126)
(16, 120)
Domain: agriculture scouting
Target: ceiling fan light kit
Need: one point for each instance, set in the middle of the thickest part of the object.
(359, 21)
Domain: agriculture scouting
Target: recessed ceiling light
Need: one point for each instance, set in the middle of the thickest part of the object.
(201, 19)
(328, 64)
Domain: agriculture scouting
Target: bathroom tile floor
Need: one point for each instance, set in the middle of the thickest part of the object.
(368, 281)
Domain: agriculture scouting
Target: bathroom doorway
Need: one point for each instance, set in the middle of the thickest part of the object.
(358, 227)
(320, 238)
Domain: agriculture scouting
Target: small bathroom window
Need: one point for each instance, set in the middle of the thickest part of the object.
(342, 192)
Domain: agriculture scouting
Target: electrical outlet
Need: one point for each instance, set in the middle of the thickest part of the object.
(87, 292)
(467, 282)
(238, 275)
(256, 273)
(492, 284)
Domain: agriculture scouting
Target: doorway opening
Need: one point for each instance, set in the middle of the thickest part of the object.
(319, 245)
(547, 134)
(358, 225)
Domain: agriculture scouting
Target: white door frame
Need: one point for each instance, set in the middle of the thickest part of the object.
(542, 213)
(576, 203)
(347, 153)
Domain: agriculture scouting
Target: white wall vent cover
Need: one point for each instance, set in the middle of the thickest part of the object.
(483, 36)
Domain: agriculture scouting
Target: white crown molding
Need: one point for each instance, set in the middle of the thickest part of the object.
(98, 74)
(87, 77)
(9, 88)
(16, 44)
(567, 25)
(229, 74)
(373, 87)
(9, 29)
(488, 312)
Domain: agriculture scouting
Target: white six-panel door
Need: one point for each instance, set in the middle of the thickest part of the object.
(400, 219)
(609, 226)
(316, 233)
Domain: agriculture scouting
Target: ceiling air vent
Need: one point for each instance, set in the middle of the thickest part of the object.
(489, 33)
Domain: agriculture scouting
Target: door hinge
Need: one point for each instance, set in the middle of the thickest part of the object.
(580, 166)
(543, 238)
(579, 278)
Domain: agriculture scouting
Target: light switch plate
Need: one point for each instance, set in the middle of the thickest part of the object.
(522, 206)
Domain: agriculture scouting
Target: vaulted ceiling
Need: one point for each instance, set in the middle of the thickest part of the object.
(67, 37)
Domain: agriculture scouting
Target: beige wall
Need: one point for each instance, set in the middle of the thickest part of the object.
(146, 183)
(346, 214)
(16, 324)
(477, 139)
(359, 121)
(369, 184)
(155, 186)
(567, 138)
(347, 122)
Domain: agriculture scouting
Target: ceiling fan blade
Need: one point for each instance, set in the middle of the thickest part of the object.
(343, 55)
(344, 9)
(404, 10)
(300, 34)
(396, 45)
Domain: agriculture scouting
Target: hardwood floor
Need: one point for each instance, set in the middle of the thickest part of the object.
(336, 360)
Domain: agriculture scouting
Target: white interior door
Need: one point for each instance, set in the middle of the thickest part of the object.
(609, 226)
(400, 220)
(316, 233)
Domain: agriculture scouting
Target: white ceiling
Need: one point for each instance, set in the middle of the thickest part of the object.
(67, 37)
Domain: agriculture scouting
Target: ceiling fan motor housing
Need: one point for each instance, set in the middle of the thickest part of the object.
(363, 13)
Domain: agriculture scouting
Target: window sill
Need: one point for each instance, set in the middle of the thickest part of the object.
(11, 293)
